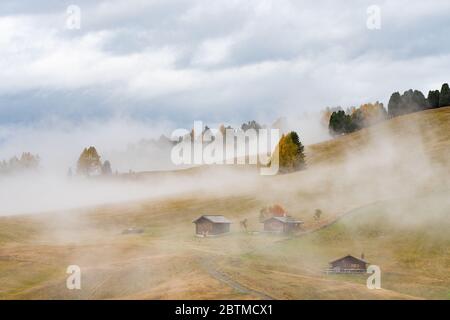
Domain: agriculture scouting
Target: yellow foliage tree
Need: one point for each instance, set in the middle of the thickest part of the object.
(370, 113)
(291, 153)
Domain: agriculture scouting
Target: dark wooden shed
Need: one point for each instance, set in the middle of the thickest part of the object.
(210, 225)
(348, 264)
(282, 224)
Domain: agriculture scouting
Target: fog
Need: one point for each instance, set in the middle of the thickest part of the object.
(402, 163)
(396, 158)
(130, 145)
(383, 161)
(60, 142)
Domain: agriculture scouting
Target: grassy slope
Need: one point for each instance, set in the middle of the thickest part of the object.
(433, 124)
(412, 251)
(166, 261)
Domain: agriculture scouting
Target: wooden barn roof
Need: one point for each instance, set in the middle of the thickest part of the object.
(284, 219)
(213, 219)
(348, 256)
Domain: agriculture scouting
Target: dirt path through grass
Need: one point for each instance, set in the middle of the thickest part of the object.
(212, 270)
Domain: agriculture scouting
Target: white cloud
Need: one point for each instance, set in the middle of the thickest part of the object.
(212, 52)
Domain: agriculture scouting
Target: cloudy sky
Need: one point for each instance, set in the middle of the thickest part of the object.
(180, 61)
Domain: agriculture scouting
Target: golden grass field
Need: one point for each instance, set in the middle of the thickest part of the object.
(383, 191)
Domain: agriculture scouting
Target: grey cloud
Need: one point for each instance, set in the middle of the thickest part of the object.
(215, 60)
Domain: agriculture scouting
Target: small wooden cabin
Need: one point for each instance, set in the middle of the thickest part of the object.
(210, 225)
(283, 224)
(348, 264)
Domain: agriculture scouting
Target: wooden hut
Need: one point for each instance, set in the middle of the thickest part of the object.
(210, 225)
(283, 224)
(348, 264)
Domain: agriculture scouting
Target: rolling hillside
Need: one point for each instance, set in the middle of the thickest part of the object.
(383, 191)
(408, 239)
(432, 127)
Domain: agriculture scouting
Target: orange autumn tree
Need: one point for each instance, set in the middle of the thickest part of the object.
(274, 211)
(277, 210)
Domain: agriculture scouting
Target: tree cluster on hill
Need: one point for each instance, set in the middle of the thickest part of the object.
(222, 129)
(89, 163)
(208, 135)
(325, 115)
(440, 99)
(433, 98)
(342, 122)
(369, 114)
(409, 101)
(414, 100)
(26, 162)
(251, 125)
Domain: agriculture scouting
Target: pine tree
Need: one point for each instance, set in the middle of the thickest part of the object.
(419, 102)
(106, 168)
(394, 104)
(433, 98)
(444, 96)
(341, 123)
